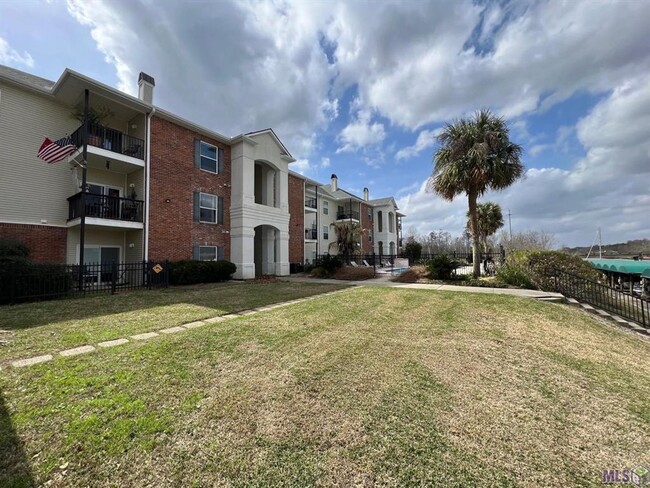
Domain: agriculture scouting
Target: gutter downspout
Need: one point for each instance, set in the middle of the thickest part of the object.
(148, 184)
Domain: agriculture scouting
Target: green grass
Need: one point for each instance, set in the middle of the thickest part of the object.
(369, 387)
(34, 328)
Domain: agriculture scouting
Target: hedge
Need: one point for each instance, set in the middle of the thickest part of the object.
(191, 272)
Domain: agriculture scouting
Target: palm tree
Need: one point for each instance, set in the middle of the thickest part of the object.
(348, 238)
(475, 155)
(490, 220)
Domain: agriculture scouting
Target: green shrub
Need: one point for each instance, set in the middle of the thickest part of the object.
(412, 251)
(23, 280)
(191, 272)
(536, 269)
(13, 249)
(319, 272)
(330, 263)
(441, 267)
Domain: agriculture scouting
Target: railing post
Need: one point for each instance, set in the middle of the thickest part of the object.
(374, 263)
(149, 274)
(113, 277)
(166, 273)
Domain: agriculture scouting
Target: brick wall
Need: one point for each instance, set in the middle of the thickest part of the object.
(46, 244)
(297, 219)
(172, 232)
(366, 224)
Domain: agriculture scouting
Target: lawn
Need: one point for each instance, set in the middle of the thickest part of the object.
(369, 387)
(34, 328)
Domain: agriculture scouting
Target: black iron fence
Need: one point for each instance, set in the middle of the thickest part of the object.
(25, 282)
(110, 139)
(311, 233)
(347, 215)
(106, 207)
(462, 257)
(603, 296)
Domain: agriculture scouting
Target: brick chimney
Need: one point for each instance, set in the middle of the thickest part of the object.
(145, 87)
(335, 182)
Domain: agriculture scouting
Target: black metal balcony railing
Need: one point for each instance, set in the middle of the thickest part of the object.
(106, 207)
(310, 202)
(347, 215)
(311, 233)
(111, 140)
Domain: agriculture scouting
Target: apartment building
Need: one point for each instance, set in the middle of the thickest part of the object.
(315, 207)
(160, 186)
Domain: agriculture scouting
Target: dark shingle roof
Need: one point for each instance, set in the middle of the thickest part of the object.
(26, 78)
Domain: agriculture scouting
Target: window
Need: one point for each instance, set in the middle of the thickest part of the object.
(208, 208)
(207, 253)
(369, 236)
(391, 222)
(370, 213)
(209, 157)
(326, 209)
(379, 221)
(326, 232)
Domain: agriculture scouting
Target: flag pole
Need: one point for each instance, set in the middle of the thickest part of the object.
(82, 213)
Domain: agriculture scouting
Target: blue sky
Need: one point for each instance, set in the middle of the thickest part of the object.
(360, 89)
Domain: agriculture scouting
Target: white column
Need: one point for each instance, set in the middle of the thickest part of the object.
(283, 191)
(282, 263)
(242, 243)
(268, 250)
(243, 181)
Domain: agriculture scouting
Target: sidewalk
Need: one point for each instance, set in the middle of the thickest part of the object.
(384, 281)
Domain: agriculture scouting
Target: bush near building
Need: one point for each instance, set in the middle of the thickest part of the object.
(536, 269)
(353, 274)
(190, 272)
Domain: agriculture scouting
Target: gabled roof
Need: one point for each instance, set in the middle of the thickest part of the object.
(20, 77)
(383, 201)
(284, 150)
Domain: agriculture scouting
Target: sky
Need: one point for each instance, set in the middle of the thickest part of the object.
(361, 89)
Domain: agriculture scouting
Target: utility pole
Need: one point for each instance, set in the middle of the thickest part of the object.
(510, 224)
(600, 244)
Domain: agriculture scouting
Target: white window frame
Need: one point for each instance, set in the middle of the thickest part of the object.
(216, 208)
(216, 252)
(326, 208)
(216, 159)
(326, 233)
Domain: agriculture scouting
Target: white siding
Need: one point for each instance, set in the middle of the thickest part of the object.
(30, 189)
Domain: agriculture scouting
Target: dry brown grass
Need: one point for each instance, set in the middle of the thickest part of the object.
(351, 273)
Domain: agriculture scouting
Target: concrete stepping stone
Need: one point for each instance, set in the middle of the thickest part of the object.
(116, 342)
(587, 306)
(172, 330)
(21, 363)
(214, 320)
(77, 350)
(229, 316)
(145, 336)
(195, 325)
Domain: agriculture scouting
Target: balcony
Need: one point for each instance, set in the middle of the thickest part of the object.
(111, 140)
(107, 208)
(311, 234)
(348, 215)
(310, 203)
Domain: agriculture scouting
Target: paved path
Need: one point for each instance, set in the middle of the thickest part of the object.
(385, 281)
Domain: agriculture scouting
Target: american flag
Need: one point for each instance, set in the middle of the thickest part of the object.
(53, 152)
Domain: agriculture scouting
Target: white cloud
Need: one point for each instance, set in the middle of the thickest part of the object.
(426, 139)
(538, 149)
(301, 166)
(361, 132)
(11, 57)
(325, 163)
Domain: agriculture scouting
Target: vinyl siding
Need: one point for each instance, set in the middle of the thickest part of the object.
(96, 237)
(30, 189)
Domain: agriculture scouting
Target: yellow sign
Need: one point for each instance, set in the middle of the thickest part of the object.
(157, 268)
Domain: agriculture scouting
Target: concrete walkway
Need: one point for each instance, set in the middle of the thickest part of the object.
(385, 281)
